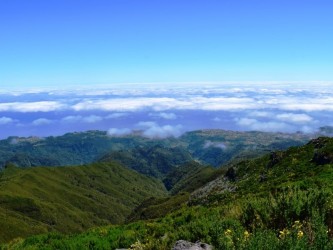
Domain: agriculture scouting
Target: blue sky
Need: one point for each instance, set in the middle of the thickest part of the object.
(77, 42)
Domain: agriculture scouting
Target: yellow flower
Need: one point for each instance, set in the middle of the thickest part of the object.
(228, 232)
(103, 232)
(283, 233)
(138, 246)
(246, 234)
(297, 224)
(300, 234)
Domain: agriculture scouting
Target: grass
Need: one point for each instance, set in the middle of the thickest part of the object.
(69, 199)
(248, 223)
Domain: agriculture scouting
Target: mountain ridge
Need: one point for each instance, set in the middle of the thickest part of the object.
(210, 147)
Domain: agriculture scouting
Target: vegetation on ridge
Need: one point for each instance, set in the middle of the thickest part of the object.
(154, 161)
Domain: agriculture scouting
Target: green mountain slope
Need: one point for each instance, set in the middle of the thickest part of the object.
(67, 150)
(189, 177)
(283, 200)
(69, 199)
(306, 166)
(218, 147)
(180, 182)
(153, 161)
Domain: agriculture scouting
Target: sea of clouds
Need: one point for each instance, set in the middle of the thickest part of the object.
(163, 110)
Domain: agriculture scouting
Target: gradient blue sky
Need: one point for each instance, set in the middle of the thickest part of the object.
(57, 42)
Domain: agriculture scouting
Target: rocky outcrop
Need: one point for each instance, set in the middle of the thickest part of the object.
(275, 158)
(231, 174)
(323, 157)
(323, 151)
(186, 245)
(216, 187)
(319, 142)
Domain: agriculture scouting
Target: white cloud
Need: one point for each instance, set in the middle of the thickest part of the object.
(220, 145)
(42, 106)
(223, 103)
(92, 119)
(168, 116)
(41, 121)
(146, 124)
(164, 115)
(5, 120)
(313, 105)
(229, 97)
(79, 118)
(274, 107)
(118, 131)
(246, 121)
(71, 118)
(295, 118)
(271, 126)
(125, 104)
(307, 129)
(153, 130)
(116, 115)
(167, 103)
(261, 114)
(258, 102)
(163, 131)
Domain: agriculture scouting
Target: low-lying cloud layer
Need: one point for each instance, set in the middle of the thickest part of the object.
(149, 129)
(79, 118)
(170, 110)
(119, 131)
(5, 120)
(26, 107)
(153, 130)
(220, 145)
(41, 121)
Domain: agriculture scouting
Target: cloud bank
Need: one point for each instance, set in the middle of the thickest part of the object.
(220, 145)
(41, 106)
(164, 115)
(169, 110)
(270, 126)
(153, 130)
(148, 129)
(5, 120)
(79, 118)
(119, 131)
(41, 121)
